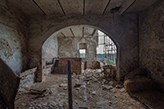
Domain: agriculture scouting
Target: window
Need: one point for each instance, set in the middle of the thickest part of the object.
(82, 53)
(106, 49)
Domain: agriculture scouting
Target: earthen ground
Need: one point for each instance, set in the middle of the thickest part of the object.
(95, 92)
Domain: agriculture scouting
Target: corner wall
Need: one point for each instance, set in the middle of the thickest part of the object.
(151, 42)
(13, 30)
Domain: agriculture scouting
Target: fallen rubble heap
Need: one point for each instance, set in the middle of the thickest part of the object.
(91, 89)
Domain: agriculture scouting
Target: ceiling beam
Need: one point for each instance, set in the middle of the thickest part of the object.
(93, 32)
(83, 7)
(61, 7)
(39, 7)
(106, 7)
(83, 32)
(72, 32)
(63, 35)
(76, 37)
(128, 7)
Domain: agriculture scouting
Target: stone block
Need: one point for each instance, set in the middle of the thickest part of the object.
(138, 71)
(139, 83)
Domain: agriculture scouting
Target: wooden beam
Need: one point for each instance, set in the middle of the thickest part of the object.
(61, 7)
(106, 7)
(50, 6)
(72, 32)
(83, 7)
(39, 7)
(83, 32)
(94, 32)
(63, 35)
(123, 11)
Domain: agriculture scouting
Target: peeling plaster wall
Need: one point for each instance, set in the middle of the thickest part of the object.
(152, 42)
(12, 38)
(50, 50)
(69, 47)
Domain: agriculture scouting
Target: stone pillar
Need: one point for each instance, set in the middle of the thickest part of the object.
(38, 73)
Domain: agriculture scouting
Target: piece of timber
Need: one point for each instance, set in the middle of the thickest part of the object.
(9, 84)
(27, 72)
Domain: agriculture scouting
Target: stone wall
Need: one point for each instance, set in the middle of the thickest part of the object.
(151, 42)
(69, 47)
(12, 38)
(123, 30)
(50, 50)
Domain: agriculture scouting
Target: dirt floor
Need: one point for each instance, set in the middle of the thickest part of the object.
(91, 90)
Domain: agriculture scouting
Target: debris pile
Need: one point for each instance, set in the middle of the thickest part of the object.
(90, 89)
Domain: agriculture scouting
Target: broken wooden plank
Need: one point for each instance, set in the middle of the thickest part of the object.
(37, 92)
(9, 84)
(27, 72)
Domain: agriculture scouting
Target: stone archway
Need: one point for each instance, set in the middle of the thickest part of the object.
(123, 32)
(96, 28)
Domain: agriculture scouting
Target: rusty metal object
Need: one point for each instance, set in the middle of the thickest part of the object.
(69, 84)
(9, 84)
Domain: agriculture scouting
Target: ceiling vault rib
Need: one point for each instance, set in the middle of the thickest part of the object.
(72, 32)
(39, 7)
(63, 34)
(128, 7)
(83, 32)
(83, 7)
(61, 7)
(106, 7)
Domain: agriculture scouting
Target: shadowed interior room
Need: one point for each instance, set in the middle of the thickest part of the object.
(81, 54)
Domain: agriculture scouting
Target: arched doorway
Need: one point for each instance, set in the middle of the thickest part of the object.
(69, 41)
(124, 36)
(106, 49)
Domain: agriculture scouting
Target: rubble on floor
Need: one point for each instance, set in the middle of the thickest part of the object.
(91, 90)
(109, 71)
(27, 77)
